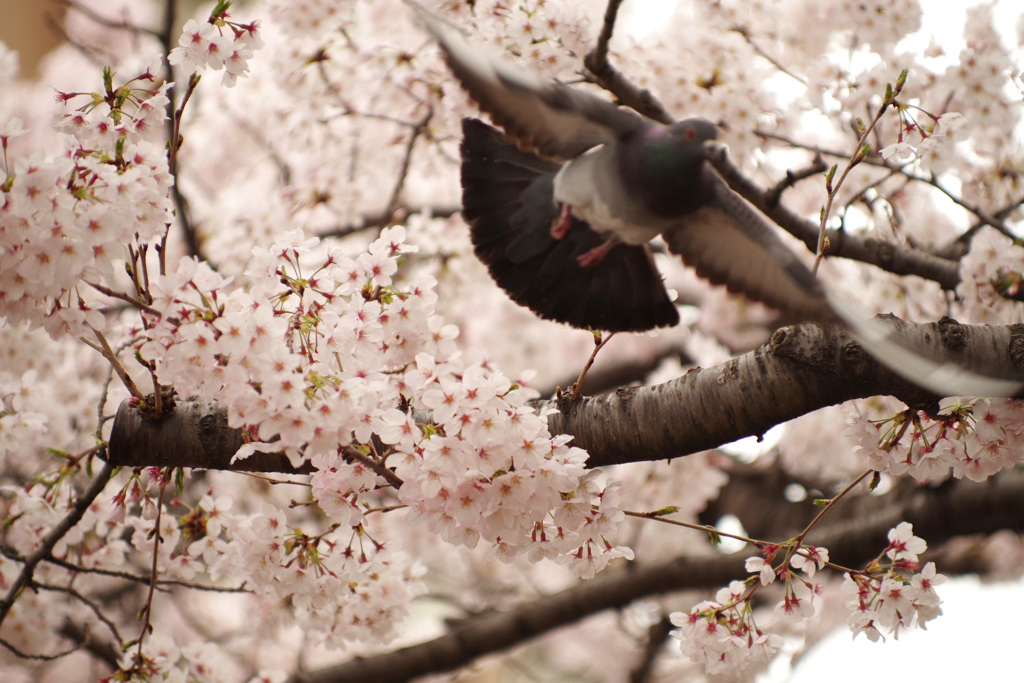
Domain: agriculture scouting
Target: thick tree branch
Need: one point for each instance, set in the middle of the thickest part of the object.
(799, 370)
(954, 509)
(195, 434)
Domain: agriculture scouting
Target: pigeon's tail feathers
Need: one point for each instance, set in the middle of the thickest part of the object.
(506, 196)
(508, 202)
(943, 378)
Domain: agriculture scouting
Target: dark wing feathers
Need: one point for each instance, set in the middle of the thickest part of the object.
(509, 205)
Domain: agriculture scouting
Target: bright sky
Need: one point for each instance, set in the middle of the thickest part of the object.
(976, 639)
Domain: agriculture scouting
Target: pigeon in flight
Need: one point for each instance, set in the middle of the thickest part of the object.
(565, 233)
(562, 204)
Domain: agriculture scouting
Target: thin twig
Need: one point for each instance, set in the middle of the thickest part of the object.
(142, 306)
(43, 552)
(599, 343)
(379, 468)
(109, 23)
(403, 171)
(959, 246)
(104, 348)
(824, 511)
(126, 576)
(44, 658)
(147, 609)
(894, 258)
(659, 516)
(875, 159)
(745, 32)
(380, 220)
(94, 56)
(833, 190)
(773, 194)
(86, 601)
(184, 216)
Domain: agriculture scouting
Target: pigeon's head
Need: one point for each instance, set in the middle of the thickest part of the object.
(693, 130)
(663, 165)
(670, 151)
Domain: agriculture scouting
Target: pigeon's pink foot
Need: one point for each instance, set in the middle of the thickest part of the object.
(560, 226)
(591, 258)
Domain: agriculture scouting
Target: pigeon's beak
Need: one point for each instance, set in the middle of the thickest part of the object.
(715, 149)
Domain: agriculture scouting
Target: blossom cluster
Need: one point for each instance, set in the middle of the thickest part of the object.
(721, 635)
(318, 367)
(69, 217)
(929, 140)
(890, 594)
(971, 440)
(217, 44)
(340, 586)
(724, 636)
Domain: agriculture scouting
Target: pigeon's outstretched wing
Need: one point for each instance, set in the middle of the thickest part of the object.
(729, 242)
(508, 203)
(557, 121)
(941, 378)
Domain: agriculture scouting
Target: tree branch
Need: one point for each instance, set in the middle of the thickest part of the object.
(386, 218)
(195, 434)
(993, 220)
(893, 258)
(608, 77)
(799, 370)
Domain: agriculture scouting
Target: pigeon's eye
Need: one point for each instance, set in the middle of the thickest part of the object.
(690, 133)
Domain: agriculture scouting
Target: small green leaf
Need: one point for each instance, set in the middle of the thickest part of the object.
(902, 80)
